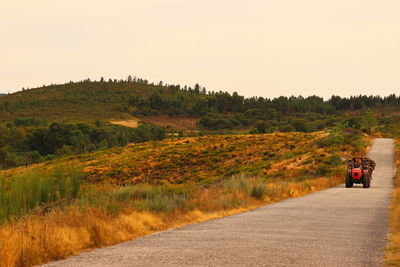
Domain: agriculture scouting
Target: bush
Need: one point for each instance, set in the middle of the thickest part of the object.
(27, 122)
(323, 170)
(258, 191)
(286, 128)
(79, 138)
(24, 193)
(335, 160)
(148, 198)
(335, 137)
(165, 203)
(261, 127)
(303, 125)
(216, 121)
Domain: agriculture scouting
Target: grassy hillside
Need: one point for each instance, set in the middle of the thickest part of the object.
(27, 117)
(84, 101)
(201, 159)
(87, 185)
(59, 208)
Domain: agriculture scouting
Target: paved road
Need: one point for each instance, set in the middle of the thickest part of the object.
(334, 227)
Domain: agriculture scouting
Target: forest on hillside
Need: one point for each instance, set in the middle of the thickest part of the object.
(138, 97)
(58, 120)
(21, 145)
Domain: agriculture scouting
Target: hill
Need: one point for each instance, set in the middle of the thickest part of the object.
(74, 118)
(91, 172)
(62, 207)
(87, 101)
(84, 101)
(112, 157)
(203, 159)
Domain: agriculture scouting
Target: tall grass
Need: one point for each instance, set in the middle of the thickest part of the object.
(233, 192)
(152, 198)
(236, 191)
(253, 186)
(103, 215)
(392, 257)
(22, 194)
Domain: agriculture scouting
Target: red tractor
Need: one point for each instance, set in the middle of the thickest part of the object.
(360, 172)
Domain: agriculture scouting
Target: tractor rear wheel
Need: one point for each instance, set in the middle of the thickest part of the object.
(349, 181)
(366, 181)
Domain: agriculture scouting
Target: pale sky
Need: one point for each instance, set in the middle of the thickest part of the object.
(256, 47)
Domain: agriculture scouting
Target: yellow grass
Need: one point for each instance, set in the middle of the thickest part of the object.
(38, 239)
(127, 123)
(392, 257)
(186, 123)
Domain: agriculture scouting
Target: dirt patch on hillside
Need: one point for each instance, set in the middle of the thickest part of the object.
(174, 122)
(127, 123)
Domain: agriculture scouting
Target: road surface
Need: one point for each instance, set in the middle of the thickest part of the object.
(334, 227)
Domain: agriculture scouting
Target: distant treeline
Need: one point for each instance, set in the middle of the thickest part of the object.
(137, 97)
(21, 145)
(175, 100)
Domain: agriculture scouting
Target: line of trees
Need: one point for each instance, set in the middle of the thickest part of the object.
(20, 145)
(139, 97)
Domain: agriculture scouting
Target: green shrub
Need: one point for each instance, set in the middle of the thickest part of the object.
(228, 202)
(217, 121)
(165, 203)
(145, 197)
(323, 170)
(22, 194)
(258, 191)
(288, 155)
(335, 160)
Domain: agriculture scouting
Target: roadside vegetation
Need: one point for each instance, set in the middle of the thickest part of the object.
(392, 257)
(393, 247)
(54, 210)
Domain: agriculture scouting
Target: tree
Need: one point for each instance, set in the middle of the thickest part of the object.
(353, 123)
(335, 136)
(3, 156)
(197, 88)
(261, 126)
(303, 125)
(369, 121)
(98, 123)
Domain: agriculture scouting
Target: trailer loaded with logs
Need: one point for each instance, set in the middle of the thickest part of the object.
(359, 171)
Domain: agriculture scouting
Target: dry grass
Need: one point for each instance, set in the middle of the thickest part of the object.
(174, 122)
(392, 257)
(189, 160)
(178, 182)
(193, 160)
(203, 159)
(127, 123)
(38, 239)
